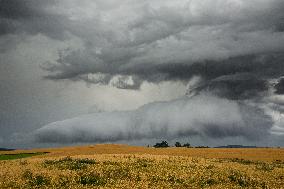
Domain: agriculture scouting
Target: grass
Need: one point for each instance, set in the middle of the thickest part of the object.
(69, 163)
(35, 180)
(19, 155)
(92, 179)
(69, 169)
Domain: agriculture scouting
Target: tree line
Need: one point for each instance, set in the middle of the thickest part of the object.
(165, 144)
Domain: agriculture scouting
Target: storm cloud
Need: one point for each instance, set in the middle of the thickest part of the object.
(136, 41)
(203, 115)
(229, 54)
(158, 41)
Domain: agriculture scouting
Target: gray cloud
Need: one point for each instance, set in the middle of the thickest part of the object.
(280, 87)
(202, 115)
(31, 17)
(154, 41)
(234, 47)
(235, 86)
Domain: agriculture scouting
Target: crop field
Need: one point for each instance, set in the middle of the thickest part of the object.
(121, 166)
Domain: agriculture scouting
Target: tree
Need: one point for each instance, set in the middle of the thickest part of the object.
(163, 144)
(178, 144)
(187, 145)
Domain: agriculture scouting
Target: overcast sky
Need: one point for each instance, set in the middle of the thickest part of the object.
(140, 71)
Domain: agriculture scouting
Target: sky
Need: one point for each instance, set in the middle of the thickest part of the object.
(141, 71)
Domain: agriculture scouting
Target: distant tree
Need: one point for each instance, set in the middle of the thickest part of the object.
(187, 145)
(163, 144)
(178, 144)
(202, 147)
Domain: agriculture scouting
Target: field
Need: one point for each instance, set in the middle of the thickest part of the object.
(19, 155)
(122, 166)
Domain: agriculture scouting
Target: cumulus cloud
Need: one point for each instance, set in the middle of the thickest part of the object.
(203, 115)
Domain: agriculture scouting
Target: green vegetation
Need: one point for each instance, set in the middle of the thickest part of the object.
(163, 144)
(35, 180)
(19, 156)
(259, 165)
(178, 144)
(69, 163)
(187, 145)
(243, 161)
(92, 179)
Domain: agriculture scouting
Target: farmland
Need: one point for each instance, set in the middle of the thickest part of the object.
(19, 155)
(122, 166)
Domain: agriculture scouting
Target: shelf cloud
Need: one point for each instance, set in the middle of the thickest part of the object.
(203, 115)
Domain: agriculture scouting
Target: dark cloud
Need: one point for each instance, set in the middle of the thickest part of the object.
(236, 86)
(239, 77)
(31, 17)
(280, 87)
(175, 41)
(154, 41)
(234, 47)
(17, 9)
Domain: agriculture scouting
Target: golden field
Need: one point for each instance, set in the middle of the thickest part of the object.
(122, 166)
